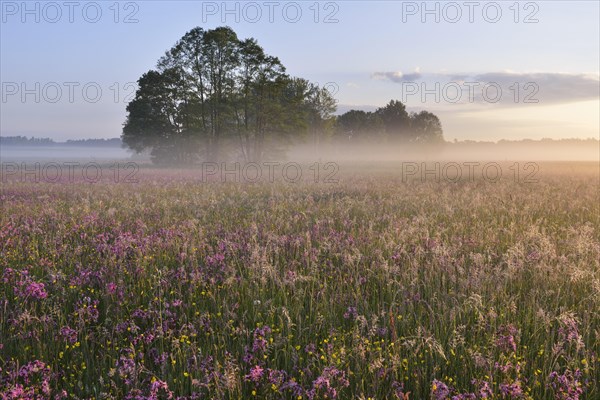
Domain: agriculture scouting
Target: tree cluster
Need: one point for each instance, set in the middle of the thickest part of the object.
(24, 141)
(213, 95)
(392, 123)
(47, 142)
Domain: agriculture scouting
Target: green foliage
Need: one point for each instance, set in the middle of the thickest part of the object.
(392, 122)
(212, 87)
(426, 127)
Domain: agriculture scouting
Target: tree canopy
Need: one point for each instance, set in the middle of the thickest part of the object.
(213, 95)
(391, 121)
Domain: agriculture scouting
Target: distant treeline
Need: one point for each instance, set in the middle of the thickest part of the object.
(534, 142)
(46, 142)
(116, 142)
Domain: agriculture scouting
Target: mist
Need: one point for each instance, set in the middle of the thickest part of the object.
(525, 150)
(49, 153)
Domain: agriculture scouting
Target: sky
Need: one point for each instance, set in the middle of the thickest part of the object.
(489, 70)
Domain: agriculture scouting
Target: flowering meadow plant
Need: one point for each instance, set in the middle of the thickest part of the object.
(369, 288)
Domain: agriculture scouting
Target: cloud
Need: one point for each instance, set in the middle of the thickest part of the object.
(397, 76)
(547, 87)
(498, 88)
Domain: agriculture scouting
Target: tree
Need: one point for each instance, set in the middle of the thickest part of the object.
(426, 127)
(261, 82)
(320, 108)
(396, 120)
(358, 124)
(211, 87)
(188, 58)
(155, 118)
(220, 50)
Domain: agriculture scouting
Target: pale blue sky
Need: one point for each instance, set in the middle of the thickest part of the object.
(371, 54)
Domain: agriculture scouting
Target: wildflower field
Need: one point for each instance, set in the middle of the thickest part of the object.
(372, 287)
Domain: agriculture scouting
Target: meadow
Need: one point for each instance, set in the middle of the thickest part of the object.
(369, 288)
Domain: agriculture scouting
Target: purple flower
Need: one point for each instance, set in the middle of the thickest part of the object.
(27, 288)
(256, 374)
(158, 385)
(31, 381)
(512, 391)
(505, 338)
(566, 386)
(464, 396)
(439, 390)
(568, 330)
(158, 359)
(69, 334)
(310, 348)
(259, 345)
(87, 310)
(34, 367)
(351, 313)
(485, 390)
(111, 288)
(276, 377)
(399, 390)
(36, 290)
(177, 303)
(328, 384)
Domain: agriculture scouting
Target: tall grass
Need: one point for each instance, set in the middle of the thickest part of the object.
(369, 288)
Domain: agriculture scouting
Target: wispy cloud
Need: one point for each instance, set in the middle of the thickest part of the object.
(503, 88)
(552, 87)
(397, 76)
